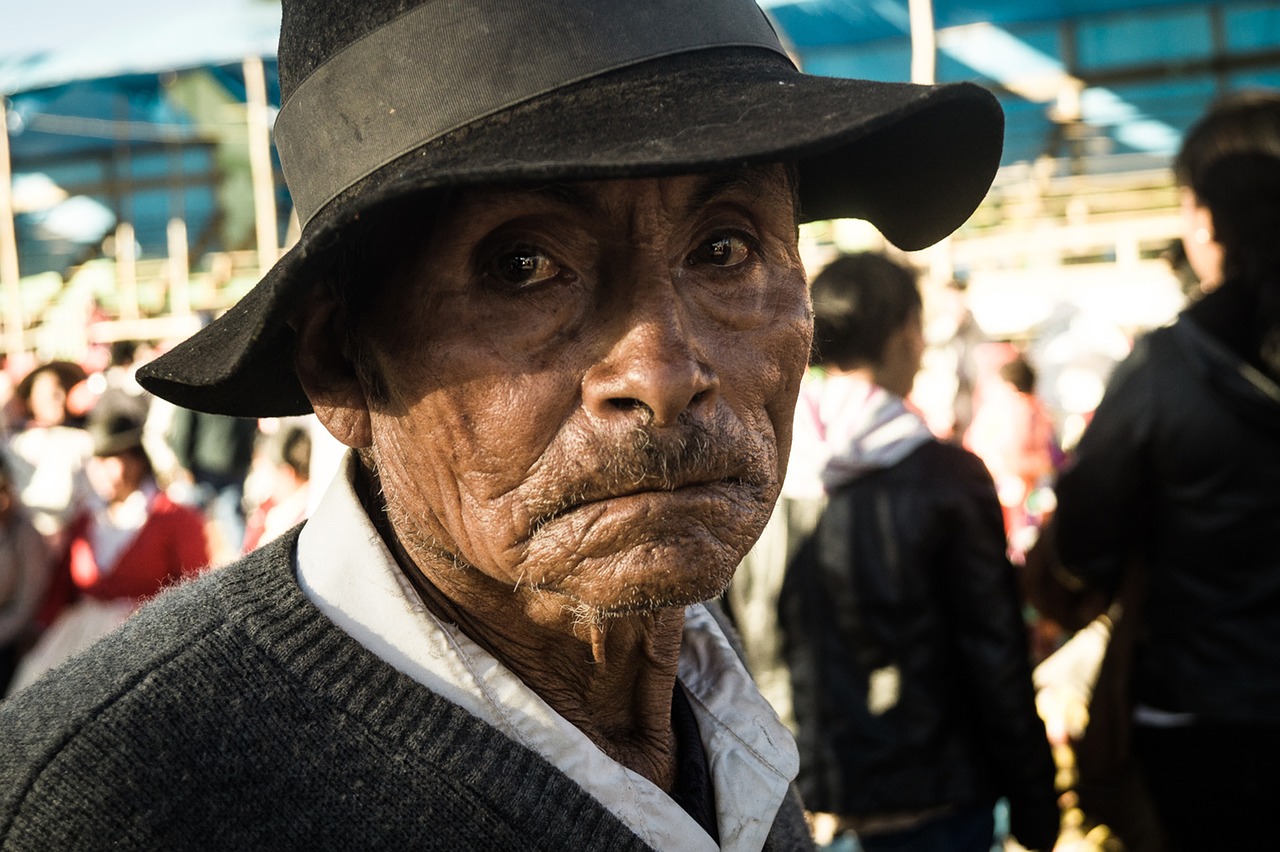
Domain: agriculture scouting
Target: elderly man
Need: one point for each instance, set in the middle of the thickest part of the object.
(548, 291)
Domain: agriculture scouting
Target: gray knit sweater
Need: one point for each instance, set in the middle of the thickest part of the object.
(231, 714)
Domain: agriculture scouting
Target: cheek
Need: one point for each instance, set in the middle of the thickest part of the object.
(454, 458)
(777, 354)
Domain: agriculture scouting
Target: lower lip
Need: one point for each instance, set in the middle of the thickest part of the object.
(686, 498)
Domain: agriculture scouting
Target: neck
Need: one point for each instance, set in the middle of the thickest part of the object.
(611, 676)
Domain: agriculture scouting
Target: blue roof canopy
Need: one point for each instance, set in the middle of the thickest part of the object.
(1142, 70)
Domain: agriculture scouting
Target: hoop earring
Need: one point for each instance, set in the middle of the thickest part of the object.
(1202, 236)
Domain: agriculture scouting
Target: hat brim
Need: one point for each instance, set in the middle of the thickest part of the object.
(914, 160)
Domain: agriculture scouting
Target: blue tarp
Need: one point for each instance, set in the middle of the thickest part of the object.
(1148, 67)
(102, 92)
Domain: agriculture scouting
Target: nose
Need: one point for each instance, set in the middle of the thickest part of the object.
(652, 371)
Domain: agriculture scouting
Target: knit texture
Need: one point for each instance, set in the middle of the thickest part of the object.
(230, 714)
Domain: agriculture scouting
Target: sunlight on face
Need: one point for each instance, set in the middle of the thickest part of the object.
(590, 386)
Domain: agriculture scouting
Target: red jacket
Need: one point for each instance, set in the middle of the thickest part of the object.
(170, 545)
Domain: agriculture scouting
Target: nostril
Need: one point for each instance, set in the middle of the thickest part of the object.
(627, 404)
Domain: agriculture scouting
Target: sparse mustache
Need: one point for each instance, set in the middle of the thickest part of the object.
(656, 459)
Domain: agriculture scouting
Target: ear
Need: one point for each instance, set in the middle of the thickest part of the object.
(326, 372)
(1204, 253)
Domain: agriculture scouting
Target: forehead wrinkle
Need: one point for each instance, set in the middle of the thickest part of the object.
(577, 197)
(748, 179)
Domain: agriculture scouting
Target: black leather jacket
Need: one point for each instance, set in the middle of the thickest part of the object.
(905, 579)
(1182, 465)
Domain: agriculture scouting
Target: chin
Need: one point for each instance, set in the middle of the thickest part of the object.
(647, 581)
(647, 553)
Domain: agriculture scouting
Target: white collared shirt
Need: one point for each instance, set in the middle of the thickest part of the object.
(346, 570)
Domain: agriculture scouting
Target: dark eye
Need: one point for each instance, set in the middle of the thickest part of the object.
(723, 250)
(524, 266)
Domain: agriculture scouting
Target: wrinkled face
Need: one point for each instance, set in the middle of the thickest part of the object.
(589, 387)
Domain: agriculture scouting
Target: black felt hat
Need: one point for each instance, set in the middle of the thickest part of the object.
(391, 97)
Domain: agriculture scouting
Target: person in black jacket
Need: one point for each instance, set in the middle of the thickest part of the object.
(1179, 471)
(901, 622)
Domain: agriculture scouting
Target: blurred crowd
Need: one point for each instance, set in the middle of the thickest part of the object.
(1073, 642)
(912, 577)
(108, 495)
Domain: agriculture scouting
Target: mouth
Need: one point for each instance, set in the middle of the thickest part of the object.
(692, 488)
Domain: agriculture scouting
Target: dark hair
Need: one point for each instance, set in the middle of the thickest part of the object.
(123, 352)
(1231, 160)
(859, 301)
(295, 450)
(1020, 374)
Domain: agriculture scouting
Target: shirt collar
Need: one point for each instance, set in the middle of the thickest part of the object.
(345, 568)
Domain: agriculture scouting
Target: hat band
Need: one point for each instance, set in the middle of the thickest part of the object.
(447, 63)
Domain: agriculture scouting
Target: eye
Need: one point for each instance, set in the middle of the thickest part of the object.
(523, 266)
(724, 250)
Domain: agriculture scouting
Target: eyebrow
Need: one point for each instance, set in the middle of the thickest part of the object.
(716, 184)
(565, 193)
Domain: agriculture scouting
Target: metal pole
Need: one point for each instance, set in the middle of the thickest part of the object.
(264, 194)
(9, 279)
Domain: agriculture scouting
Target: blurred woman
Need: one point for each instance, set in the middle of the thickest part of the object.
(47, 456)
(137, 540)
(131, 543)
(1179, 472)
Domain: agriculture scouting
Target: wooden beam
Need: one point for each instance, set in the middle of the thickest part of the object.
(264, 190)
(179, 268)
(127, 271)
(10, 281)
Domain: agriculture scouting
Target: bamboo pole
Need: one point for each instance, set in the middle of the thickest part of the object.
(924, 61)
(127, 271)
(179, 268)
(10, 282)
(264, 193)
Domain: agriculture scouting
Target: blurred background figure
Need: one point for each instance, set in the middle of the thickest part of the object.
(47, 455)
(213, 453)
(1177, 476)
(131, 543)
(283, 465)
(900, 622)
(117, 386)
(1013, 433)
(24, 577)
